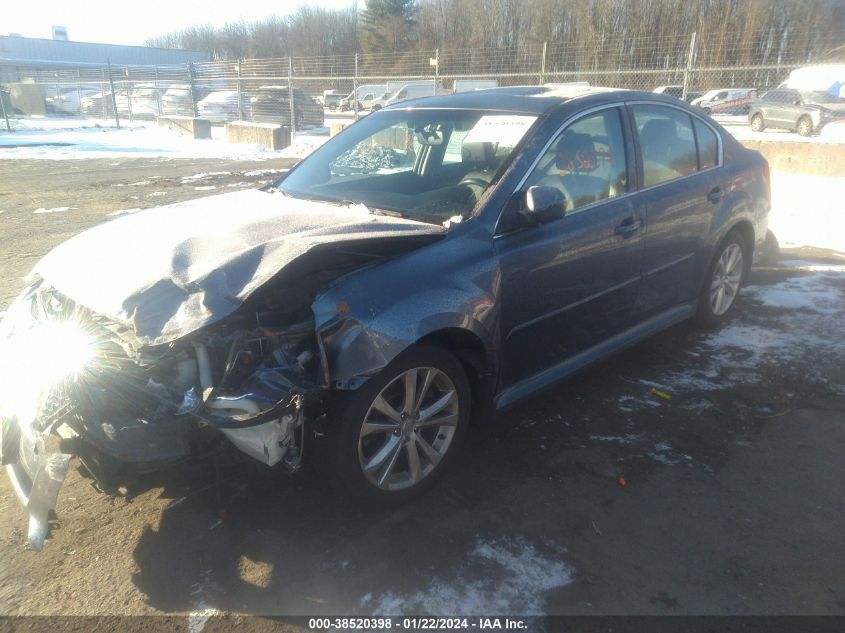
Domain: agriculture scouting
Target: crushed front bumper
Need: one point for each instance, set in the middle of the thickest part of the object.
(37, 468)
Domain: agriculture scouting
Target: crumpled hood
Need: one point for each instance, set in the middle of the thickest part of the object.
(168, 271)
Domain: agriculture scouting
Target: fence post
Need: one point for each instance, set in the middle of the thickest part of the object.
(5, 115)
(239, 87)
(79, 91)
(436, 71)
(113, 97)
(688, 69)
(290, 97)
(191, 83)
(543, 65)
(355, 87)
(129, 90)
(158, 95)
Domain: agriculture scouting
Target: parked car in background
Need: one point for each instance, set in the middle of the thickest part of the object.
(68, 101)
(331, 98)
(271, 104)
(677, 92)
(803, 112)
(221, 106)
(178, 100)
(363, 93)
(379, 295)
(672, 91)
(98, 104)
(406, 92)
(726, 100)
(141, 101)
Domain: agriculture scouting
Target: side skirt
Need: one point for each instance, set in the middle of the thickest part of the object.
(551, 375)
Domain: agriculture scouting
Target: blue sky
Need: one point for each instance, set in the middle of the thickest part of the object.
(132, 22)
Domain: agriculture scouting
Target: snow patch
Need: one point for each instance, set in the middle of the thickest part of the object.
(140, 141)
(124, 212)
(257, 173)
(198, 618)
(631, 438)
(204, 175)
(53, 210)
(498, 576)
(807, 211)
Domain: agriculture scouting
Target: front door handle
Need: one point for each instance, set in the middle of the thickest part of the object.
(628, 227)
(716, 194)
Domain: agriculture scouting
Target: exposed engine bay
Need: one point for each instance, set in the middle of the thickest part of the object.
(84, 384)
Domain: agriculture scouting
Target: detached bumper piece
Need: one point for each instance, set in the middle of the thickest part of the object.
(37, 471)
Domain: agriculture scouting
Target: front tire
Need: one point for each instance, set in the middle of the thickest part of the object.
(395, 436)
(724, 279)
(757, 123)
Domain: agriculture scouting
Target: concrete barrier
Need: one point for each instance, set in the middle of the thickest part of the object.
(186, 126)
(805, 158)
(269, 135)
(338, 126)
(27, 98)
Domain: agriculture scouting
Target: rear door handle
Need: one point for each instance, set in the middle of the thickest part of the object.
(716, 194)
(628, 227)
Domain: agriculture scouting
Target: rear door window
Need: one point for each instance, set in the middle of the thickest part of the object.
(667, 147)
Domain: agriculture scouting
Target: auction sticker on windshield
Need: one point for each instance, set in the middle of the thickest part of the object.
(506, 130)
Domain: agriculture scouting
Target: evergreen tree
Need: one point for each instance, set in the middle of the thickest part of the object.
(387, 25)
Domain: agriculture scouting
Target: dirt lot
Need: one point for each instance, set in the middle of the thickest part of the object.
(601, 497)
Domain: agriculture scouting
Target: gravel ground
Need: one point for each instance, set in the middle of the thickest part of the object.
(698, 473)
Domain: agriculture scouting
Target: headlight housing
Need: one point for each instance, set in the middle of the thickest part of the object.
(36, 356)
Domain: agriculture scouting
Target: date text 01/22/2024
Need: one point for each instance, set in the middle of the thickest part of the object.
(417, 624)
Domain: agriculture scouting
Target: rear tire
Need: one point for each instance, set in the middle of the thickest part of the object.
(724, 279)
(757, 123)
(805, 126)
(384, 447)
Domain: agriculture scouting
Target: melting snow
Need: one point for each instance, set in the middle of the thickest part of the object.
(498, 576)
(53, 210)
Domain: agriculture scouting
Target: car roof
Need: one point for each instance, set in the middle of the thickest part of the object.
(536, 100)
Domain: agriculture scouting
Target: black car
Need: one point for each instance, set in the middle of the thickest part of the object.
(434, 263)
(272, 104)
(805, 112)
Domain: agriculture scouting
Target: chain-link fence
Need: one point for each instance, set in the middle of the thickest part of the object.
(259, 89)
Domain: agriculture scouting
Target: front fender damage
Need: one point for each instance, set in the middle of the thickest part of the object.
(240, 387)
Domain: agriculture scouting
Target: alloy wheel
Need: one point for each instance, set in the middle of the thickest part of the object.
(727, 277)
(805, 127)
(408, 428)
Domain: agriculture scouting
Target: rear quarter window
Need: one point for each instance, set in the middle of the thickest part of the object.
(708, 144)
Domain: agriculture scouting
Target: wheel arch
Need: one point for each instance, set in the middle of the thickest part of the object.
(746, 229)
(478, 361)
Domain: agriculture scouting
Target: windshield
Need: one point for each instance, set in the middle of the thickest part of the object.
(427, 165)
(818, 96)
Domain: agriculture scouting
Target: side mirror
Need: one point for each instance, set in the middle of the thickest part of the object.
(544, 204)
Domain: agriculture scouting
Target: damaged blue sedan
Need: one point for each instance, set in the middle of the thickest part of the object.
(434, 263)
